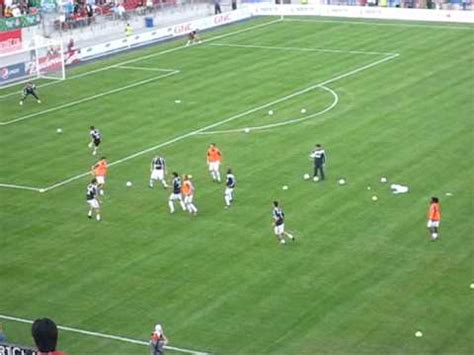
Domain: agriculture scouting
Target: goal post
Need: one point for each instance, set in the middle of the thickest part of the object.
(44, 59)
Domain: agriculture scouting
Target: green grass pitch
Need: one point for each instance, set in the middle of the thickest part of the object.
(396, 101)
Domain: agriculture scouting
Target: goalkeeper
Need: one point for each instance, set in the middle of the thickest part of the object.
(30, 89)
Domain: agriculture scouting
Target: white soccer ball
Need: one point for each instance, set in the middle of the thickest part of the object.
(285, 187)
(129, 184)
(303, 110)
(316, 179)
(59, 130)
(270, 112)
(177, 101)
(369, 188)
(472, 286)
(418, 334)
(247, 130)
(341, 181)
(383, 179)
(374, 198)
(306, 176)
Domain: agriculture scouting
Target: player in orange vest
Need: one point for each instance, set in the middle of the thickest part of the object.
(214, 158)
(99, 171)
(434, 217)
(158, 341)
(188, 194)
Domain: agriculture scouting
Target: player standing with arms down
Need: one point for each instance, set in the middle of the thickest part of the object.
(279, 224)
(214, 158)
(158, 341)
(229, 188)
(188, 193)
(99, 170)
(193, 38)
(319, 156)
(176, 194)
(95, 136)
(29, 89)
(93, 200)
(158, 171)
(434, 217)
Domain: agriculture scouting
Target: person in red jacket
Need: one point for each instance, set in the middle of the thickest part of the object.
(158, 341)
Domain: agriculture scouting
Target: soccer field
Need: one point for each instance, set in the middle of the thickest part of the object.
(389, 99)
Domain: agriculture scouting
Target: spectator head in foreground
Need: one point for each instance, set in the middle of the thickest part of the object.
(45, 334)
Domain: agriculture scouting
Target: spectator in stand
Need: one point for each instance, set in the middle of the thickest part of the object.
(234, 4)
(8, 12)
(149, 6)
(217, 7)
(45, 335)
(3, 337)
(16, 12)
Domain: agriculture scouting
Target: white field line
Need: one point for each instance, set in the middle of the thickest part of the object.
(102, 335)
(287, 122)
(89, 98)
(21, 187)
(299, 49)
(148, 56)
(143, 68)
(231, 118)
(372, 23)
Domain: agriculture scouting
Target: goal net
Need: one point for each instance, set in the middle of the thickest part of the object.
(44, 59)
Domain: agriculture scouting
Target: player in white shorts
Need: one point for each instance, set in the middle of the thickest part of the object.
(214, 158)
(176, 194)
(92, 199)
(188, 193)
(158, 171)
(229, 188)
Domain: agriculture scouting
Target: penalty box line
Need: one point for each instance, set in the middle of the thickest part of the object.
(103, 335)
(90, 98)
(230, 119)
(148, 56)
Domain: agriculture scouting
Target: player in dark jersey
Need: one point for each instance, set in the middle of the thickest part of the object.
(93, 199)
(158, 171)
(229, 188)
(176, 194)
(279, 224)
(193, 38)
(96, 138)
(29, 89)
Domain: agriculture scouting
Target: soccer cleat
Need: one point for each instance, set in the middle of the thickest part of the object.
(90, 217)
(282, 241)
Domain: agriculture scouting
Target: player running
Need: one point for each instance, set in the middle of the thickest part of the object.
(99, 170)
(279, 224)
(176, 194)
(158, 341)
(93, 200)
(434, 217)
(193, 38)
(95, 136)
(229, 188)
(158, 171)
(29, 89)
(188, 193)
(214, 158)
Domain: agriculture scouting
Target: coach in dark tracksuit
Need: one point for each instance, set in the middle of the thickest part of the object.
(319, 156)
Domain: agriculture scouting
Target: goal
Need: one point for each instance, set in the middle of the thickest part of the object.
(43, 59)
